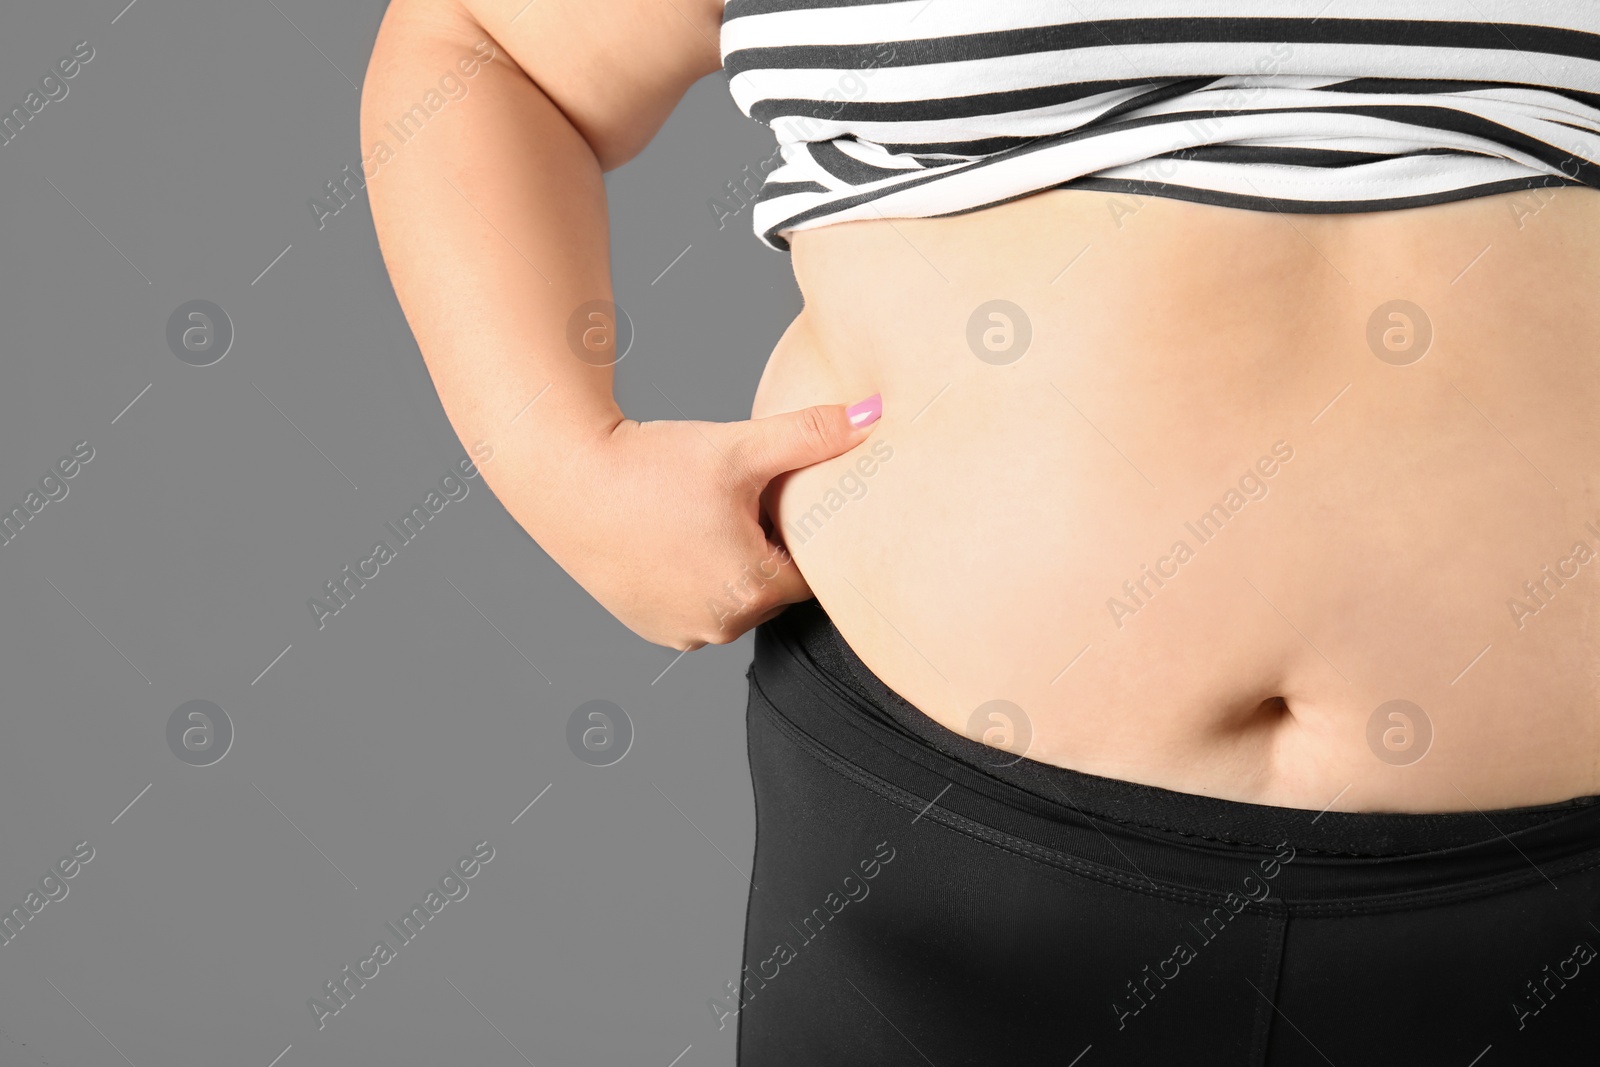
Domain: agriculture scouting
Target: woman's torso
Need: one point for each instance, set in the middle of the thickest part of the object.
(1230, 500)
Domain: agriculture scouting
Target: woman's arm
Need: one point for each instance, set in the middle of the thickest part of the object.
(491, 215)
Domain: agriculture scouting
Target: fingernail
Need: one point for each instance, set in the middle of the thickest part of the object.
(866, 412)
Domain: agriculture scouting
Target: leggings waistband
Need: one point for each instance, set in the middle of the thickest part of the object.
(828, 699)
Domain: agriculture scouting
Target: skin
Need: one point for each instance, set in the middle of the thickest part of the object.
(493, 224)
(1173, 347)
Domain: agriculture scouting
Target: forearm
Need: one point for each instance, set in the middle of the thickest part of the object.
(492, 222)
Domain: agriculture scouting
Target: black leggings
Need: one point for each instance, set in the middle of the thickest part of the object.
(917, 902)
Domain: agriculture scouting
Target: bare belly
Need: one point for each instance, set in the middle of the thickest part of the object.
(1224, 504)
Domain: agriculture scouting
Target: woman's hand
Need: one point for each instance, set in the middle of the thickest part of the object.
(663, 523)
(494, 229)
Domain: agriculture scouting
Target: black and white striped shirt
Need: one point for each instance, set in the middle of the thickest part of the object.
(912, 108)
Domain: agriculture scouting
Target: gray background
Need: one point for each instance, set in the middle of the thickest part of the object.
(377, 751)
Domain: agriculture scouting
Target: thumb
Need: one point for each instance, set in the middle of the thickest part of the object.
(773, 445)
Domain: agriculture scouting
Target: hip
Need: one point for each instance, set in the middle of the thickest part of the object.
(907, 893)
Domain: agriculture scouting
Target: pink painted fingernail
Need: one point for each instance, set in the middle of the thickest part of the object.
(866, 412)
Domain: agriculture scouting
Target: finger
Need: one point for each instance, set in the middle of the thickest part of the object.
(769, 616)
(765, 448)
(752, 616)
(788, 588)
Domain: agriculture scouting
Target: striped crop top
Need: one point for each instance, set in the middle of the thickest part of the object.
(919, 108)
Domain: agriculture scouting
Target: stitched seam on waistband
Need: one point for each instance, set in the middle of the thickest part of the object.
(820, 680)
(969, 827)
(816, 679)
(1403, 900)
